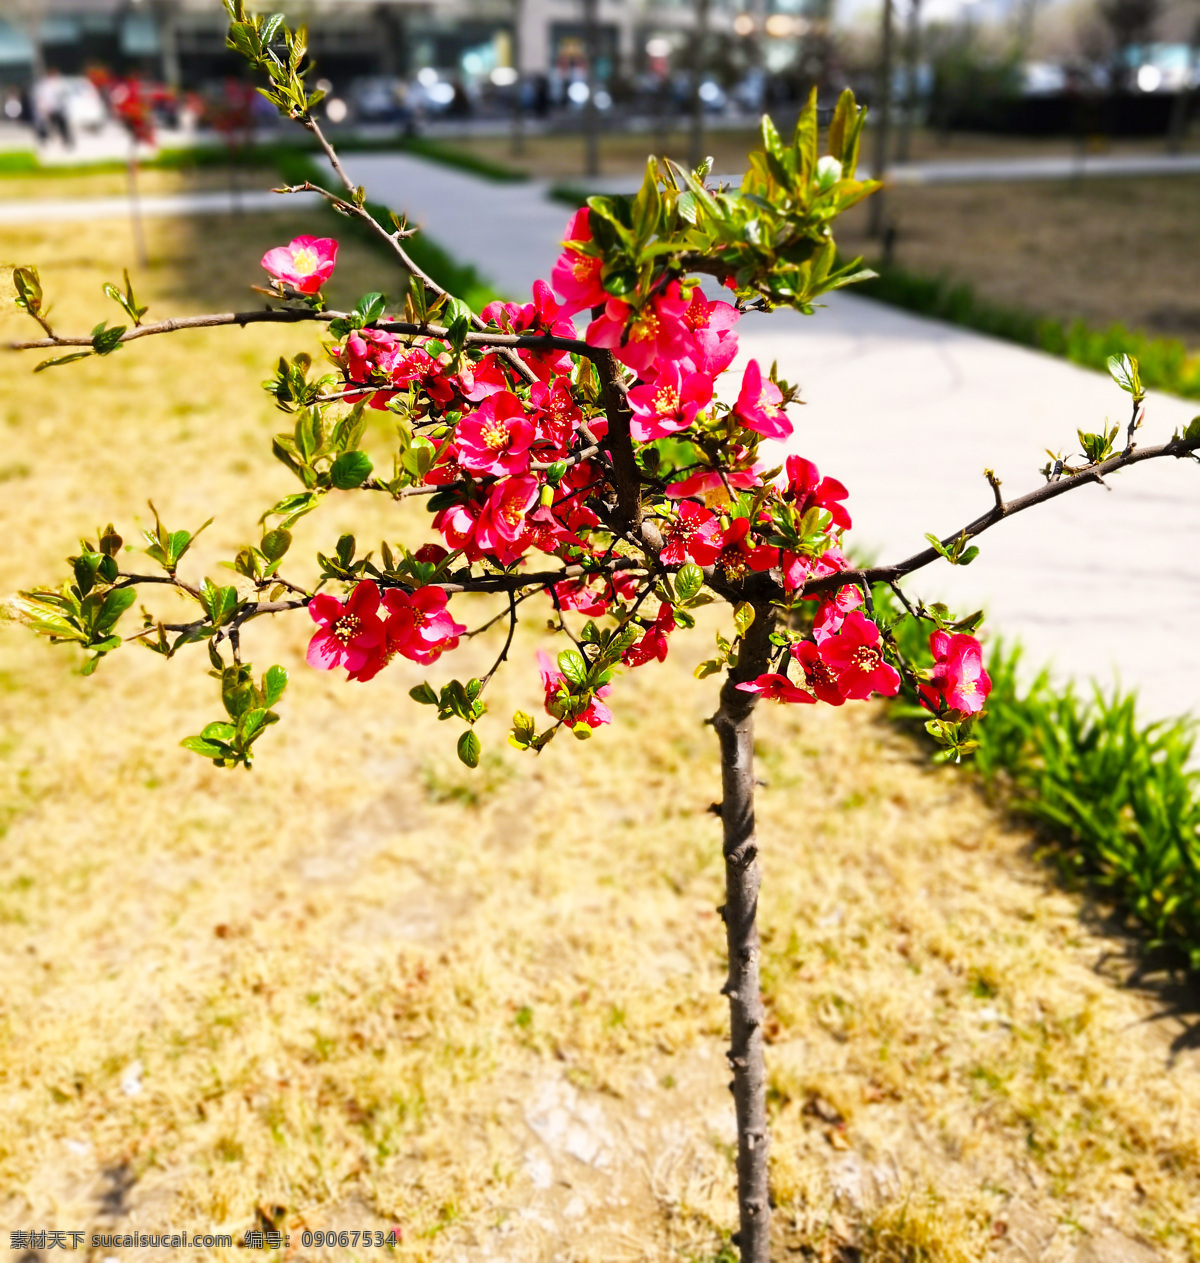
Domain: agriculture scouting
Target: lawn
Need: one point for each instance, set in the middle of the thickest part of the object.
(363, 987)
(1102, 251)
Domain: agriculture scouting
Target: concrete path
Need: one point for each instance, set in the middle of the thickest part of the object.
(39, 210)
(908, 412)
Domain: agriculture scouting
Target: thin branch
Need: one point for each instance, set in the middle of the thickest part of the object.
(1178, 448)
(300, 315)
(512, 627)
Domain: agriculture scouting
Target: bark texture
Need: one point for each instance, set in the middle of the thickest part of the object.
(734, 723)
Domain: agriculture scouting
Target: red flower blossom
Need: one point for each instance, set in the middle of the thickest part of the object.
(757, 405)
(776, 688)
(543, 315)
(807, 490)
(855, 655)
(495, 439)
(305, 263)
(419, 626)
(483, 378)
(577, 276)
(556, 415)
(694, 533)
(669, 403)
(502, 523)
(653, 644)
(957, 677)
(819, 676)
(351, 635)
(641, 337)
(582, 596)
(832, 611)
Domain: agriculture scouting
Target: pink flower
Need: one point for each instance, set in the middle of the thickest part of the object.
(561, 704)
(483, 378)
(502, 523)
(757, 405)
(855, 655)
(639, 337)
(459, 524)
(776, 688)
(957, 678)
(711, 325)
(694, 533)
(669, 403)
(653, 644)
(582, 596)
(351, 635)
(419, 626)
(497, 438)
(819, 676)
(792, 566)
(305, 263)
(807, 490)
(576, 276)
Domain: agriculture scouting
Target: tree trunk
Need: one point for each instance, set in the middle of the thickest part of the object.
(734, 723)
(912, 97)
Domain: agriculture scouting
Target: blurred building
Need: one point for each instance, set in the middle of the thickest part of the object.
(183, 41)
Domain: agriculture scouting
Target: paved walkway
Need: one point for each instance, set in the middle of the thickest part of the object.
(908, 412)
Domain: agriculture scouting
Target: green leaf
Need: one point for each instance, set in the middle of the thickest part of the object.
(292, 508)
(1124, 371)
(423, 694)
(469, 748)
(218, 731)
(743, 617)
(275, 543)
(350, 470)
(573, 667)
(61, 359)
(274, 682)
(688, 581)
(370, 307)
(209, 749)
(524, 727)
(115, 604)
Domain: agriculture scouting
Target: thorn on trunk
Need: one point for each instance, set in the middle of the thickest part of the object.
(721, 912)
(716, 809)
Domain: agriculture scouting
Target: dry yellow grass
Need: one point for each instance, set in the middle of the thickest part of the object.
(362, 986)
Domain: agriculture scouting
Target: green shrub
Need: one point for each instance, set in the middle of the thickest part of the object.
(1166, 364)
(1118, 802)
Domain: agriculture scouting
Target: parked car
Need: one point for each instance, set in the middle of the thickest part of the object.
(379, 99)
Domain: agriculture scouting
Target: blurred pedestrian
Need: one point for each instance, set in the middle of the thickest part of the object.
(50, 113)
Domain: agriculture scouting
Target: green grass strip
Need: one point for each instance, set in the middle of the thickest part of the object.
(1166, 364)
(1118, 801)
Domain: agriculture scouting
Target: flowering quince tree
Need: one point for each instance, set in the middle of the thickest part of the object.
(600, 474)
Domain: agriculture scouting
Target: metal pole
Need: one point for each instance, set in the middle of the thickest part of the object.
(696, 154)
(883, 127)
(591, 115)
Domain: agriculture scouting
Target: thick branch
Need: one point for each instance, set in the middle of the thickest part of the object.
(627, 478)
